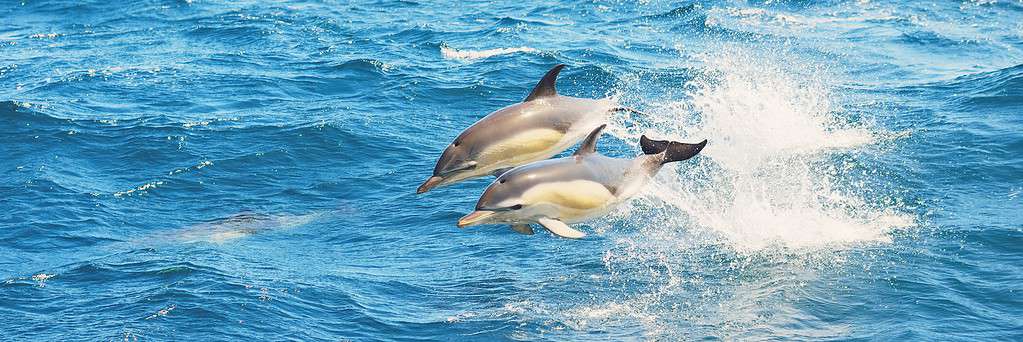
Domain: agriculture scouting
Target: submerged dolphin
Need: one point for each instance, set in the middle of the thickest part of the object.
(240, 225)
(572, 189)
(540, 127)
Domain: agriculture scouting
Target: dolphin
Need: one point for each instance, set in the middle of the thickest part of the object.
(240, 225)
(572, 189)
(538, 128)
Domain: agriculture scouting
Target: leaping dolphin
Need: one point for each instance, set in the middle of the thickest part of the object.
(538, 128)
(566, 190)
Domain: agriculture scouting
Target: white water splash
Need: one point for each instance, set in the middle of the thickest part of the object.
(766, 179)
(451, 53)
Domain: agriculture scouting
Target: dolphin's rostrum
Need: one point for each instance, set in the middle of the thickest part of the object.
(585, 185)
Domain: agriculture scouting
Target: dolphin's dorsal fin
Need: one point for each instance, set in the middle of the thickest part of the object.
(589, 145)
(560, 228)
(546, 86)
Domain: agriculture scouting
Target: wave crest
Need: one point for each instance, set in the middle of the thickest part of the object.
(451, 53)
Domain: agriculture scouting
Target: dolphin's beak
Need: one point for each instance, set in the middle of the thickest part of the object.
(429, 184)
(474, 218)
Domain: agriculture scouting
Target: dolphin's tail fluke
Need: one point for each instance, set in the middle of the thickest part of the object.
(673, 151)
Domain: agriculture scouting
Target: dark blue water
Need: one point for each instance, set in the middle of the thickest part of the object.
(192, 170)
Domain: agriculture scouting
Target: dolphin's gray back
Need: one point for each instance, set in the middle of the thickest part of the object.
(564, 114)
(609, 172)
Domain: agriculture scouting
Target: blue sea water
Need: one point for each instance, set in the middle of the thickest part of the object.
(199, 170)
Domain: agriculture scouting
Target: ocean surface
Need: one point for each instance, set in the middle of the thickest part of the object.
(199, 170)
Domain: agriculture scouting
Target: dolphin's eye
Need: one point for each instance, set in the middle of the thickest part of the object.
(457, 143)
(502, 181)
(516, 207)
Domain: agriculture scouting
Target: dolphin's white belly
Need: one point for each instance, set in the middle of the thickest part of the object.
(521, 148)
(572, 201)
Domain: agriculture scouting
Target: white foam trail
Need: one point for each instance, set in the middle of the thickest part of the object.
(768, 181)
(451, 53)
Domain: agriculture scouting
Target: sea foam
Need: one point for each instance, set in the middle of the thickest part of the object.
(766, 177)
(451, 53)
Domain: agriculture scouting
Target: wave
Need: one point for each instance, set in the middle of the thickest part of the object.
(451, 53)
(512, 22)
(769, 18)
(13, 107)
(687, 11)
(998, 88)
(692, 19)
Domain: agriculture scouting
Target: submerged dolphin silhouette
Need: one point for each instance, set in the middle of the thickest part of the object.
(240, 225)
(572, 189)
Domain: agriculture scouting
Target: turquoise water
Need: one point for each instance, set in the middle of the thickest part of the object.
(193, 170)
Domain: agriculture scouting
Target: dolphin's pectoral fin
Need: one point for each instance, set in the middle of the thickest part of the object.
(560, 228)
(545, 87)
(522, 229)
(499, 172)
(590, 144)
